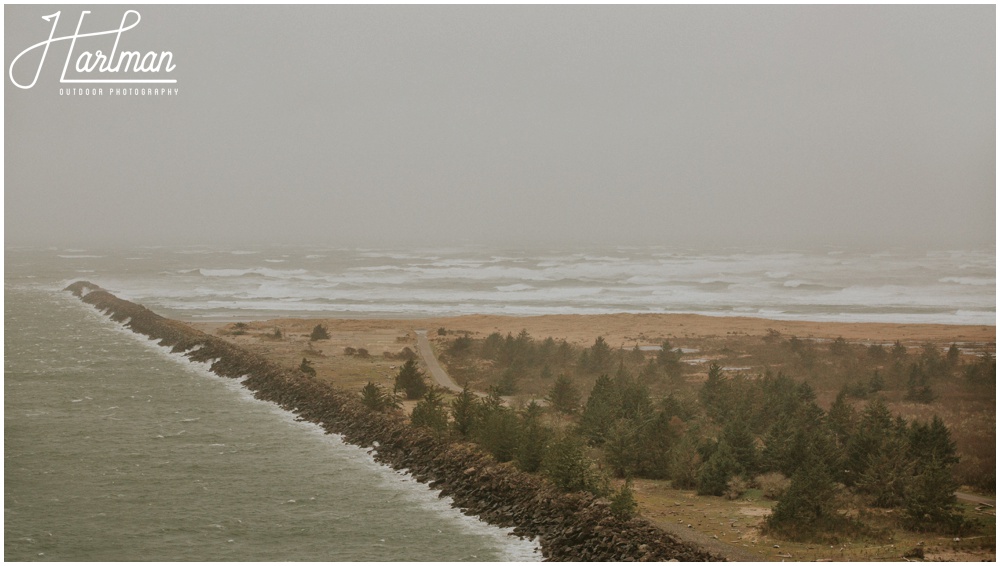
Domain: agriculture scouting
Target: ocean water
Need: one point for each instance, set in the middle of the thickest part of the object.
(116, 450)
(198, 283)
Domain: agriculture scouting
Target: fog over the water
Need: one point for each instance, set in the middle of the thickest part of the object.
(777, 126)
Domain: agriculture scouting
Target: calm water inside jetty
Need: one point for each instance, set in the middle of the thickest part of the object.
(116, 450)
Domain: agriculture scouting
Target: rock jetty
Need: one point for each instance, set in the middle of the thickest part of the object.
(568, 526)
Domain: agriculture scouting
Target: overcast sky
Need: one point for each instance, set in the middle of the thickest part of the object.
(367, 125)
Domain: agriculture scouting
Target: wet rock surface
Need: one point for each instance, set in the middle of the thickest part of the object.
(568, 526)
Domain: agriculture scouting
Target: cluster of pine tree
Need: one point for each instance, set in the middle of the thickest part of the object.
(514, 358)
(984, 370)
(510, 435)
(738, 432)
(744, 428)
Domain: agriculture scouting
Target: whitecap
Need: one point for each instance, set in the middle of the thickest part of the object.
(978, 281)
(514, 287)
(263, 271)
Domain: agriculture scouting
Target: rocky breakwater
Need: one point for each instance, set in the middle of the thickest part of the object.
(568, 526)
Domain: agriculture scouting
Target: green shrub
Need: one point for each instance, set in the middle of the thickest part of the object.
(307, 368)
(319, 333)
(623, 503)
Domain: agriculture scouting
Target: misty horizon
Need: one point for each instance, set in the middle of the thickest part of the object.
(522, 126)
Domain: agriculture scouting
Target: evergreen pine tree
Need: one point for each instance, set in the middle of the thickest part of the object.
(410, 380)
(932, 442)
(684, 462)
(805, 392)
(655, 440)
(464, 411)
(929, 495)
(778, 397)
(530, 450)
(877, 383)
(568, 467)
(636, 356)
(371, 396)
(564, 353)
(564, 395)
(871, 435)
(650, 373)
(841, 418)
(508, 382)
(547, 350)
(877, 352)
(716, 472)
(812, 438)
(602, 409)
(634, 398)
(808, 506)
(377, 399)
(621, 449)
(714, 394)
(497, 431)
(888, 469)
(430, 412)
(953, 356)
(930, 502)
(600, 356)
(623, 503)
(669, 360)
(546, 373)
(776, 455)
(983, 371)
(741, 440)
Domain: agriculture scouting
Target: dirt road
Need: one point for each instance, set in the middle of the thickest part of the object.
(976, 499)
(437, 372)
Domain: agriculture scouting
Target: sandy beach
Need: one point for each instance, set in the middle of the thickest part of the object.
(644, 329)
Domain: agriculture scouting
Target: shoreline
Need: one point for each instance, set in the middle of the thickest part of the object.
(647, 329)
(256, 315)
